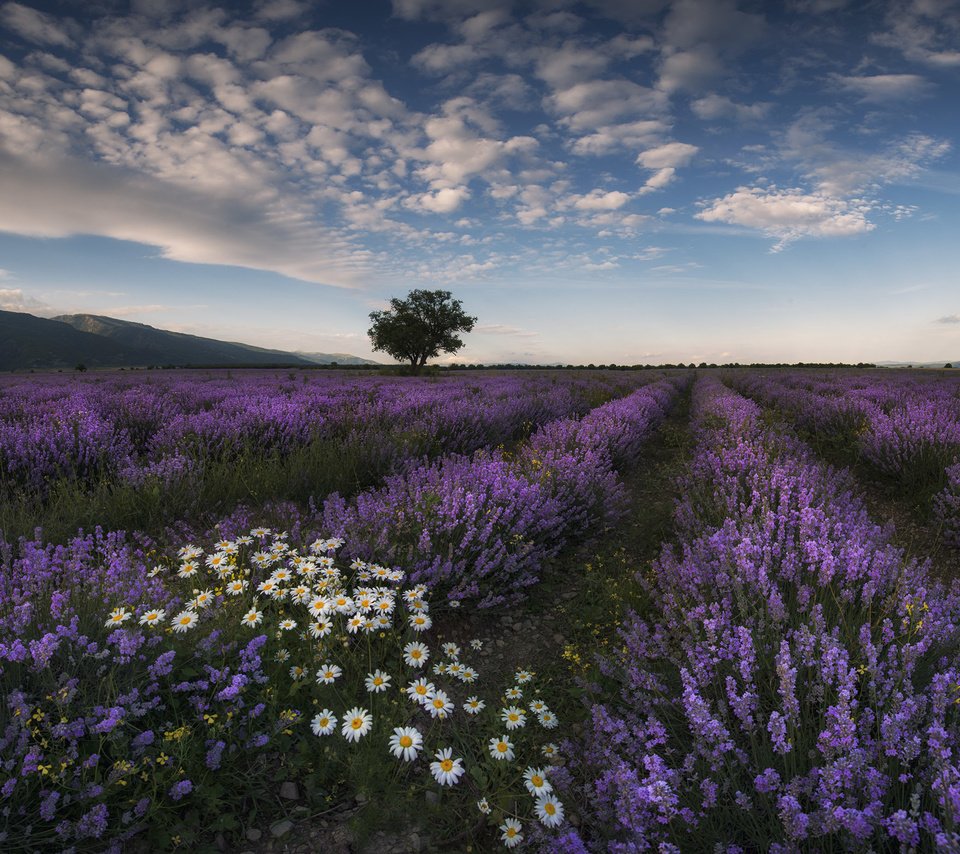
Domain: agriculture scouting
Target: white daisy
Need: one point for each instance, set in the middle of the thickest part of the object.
(513, 718)
(548, 720)
(118, 616)
(523, 676)
(288, 625)
(406, 742)
(253, 617)
(153, 618)
(235, 588)
(420, 690)
(468, 675)
(535, 779)
(474, 705)
(550, 750)
(420, 622)
(513, 694)
(324, 723)
(549, 810)
(439, 704)
(204, 599)
(446, 770)
(356, 724)
(451, 650)
(297, 672)
(484, 806)
(184, 620)
(377, 682)
(501, 748)
(510, 833)
(328, 674)
(320, 628)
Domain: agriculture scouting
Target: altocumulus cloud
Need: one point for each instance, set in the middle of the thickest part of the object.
(789, 214)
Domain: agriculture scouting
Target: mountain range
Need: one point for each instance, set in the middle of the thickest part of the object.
(95, 341)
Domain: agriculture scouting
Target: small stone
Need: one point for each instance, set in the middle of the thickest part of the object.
(301, 810)
(414, 842)
(361, 798)
(558, 638)
(281, 828)
(288, 790)
(220, 842)
(432, 797)
(253, 834)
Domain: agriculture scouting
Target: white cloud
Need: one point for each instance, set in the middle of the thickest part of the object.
(879, 88)
(671, 154)
(62, 198)
(445, 200)
(949, 319)
(713, 107)
(598, 200)
(586, 106)
(14, 299)
(33, 25)
(789, 214)
(690, 70)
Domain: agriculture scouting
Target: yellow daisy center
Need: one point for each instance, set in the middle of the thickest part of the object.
(536, 780)
(405, 741)
(415, 653)
(511, 832)
(438, 703)
(356, 723)
(324, 722)
(421, 689)
(447, 764)
(185, 621)
(549, 808)
(514, 717)
(502, 746)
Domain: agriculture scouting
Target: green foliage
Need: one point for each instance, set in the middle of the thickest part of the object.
(420, 327)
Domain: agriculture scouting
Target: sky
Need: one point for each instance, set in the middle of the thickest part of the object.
(627, 181)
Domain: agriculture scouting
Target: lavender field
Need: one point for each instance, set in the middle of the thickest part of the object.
(562, 611)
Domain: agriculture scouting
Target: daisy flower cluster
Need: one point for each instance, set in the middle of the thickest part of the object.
(350, 640)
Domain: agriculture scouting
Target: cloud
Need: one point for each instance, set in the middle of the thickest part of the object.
(924, 31)
(62, 198)
(598, 200)
(714, 107)
(446, 200)
(14, 299)
(949, 319)
(789, 214)
(34, 26)
(586, 106)
(879, 88)
(665, 159)
(671, 154)
(501, 329)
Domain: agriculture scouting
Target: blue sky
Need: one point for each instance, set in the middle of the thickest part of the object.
(607, 181)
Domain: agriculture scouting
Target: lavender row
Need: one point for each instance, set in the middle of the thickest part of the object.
(792, 682)
(45, 584)
(127, 427)
(907, 427)
(481, 527)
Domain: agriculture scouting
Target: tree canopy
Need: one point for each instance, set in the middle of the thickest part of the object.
(420, 327)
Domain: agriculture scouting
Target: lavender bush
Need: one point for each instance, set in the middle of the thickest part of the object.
(791, 681)
(481, 528)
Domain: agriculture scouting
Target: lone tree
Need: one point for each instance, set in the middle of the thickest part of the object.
(420, 327)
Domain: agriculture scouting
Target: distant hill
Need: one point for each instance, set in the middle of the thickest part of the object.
(334, 359)
(35, 342)
(97, 342)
